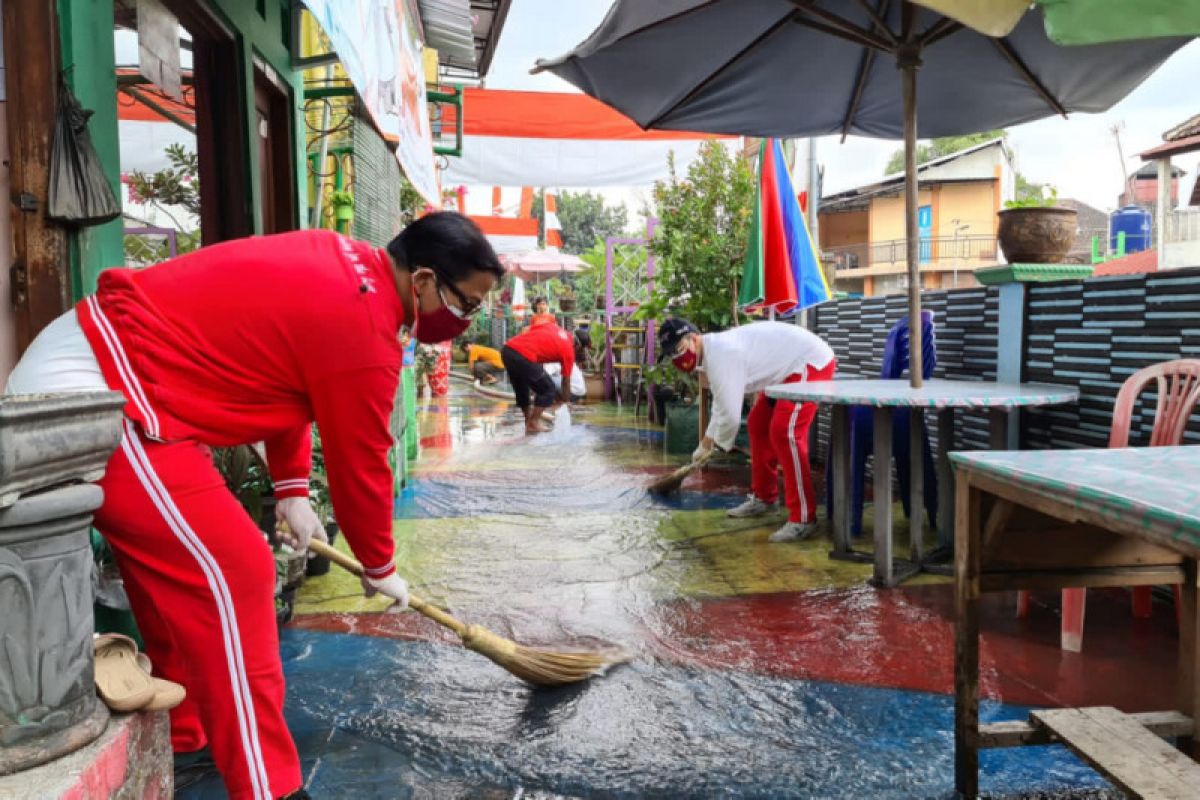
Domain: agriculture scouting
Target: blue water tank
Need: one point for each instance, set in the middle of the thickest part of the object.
(1136, 222)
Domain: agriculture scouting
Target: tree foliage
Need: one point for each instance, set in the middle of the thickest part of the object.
(703, 231)
(585, 218)
(176, 185)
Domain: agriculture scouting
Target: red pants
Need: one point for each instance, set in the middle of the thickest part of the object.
(201, 582)
(779, 439)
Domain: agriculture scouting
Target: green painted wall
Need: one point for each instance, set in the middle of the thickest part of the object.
(87, 59)
(268, 36)
(85, 30)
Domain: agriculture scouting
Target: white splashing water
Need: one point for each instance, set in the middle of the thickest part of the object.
(563, 431)
(562, 422)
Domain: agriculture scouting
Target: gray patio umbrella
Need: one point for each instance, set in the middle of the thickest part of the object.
(791, 68)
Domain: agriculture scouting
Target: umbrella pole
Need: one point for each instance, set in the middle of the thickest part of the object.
(908, 63)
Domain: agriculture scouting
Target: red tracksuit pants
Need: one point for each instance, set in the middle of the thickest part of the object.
(201, 582)
(779, 441)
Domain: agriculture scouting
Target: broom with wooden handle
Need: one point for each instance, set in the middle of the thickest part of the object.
(534, 665)
(665, 484)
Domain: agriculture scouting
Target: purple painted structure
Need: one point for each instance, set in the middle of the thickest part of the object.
(610, 309)
(149, 230)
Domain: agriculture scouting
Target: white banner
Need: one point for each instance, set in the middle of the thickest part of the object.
(380, 50)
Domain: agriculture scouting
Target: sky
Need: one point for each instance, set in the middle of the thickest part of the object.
(1078, 155)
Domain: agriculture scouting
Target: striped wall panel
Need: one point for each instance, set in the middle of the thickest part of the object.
(1096, 333)
(1091, 334)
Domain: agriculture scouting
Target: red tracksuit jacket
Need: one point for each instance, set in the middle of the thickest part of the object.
(253, 340)
(546, 344)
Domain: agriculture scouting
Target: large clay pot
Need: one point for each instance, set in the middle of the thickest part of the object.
(595, 386)
(566, 303)
(1037, 235)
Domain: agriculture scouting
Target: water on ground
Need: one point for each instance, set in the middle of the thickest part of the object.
(758, 670)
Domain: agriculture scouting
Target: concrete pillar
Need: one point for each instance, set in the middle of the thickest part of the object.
(1163, 207)
(1010, 359)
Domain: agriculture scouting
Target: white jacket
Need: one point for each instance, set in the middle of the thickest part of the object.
(578, 387)
(750, 358)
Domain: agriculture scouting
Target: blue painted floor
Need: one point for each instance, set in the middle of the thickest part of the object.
(548, 541)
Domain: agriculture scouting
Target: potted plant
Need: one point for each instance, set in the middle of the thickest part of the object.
(1035, 230)
(566, 298)
(342, 203)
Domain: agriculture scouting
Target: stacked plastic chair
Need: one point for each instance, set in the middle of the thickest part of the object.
(862, 428)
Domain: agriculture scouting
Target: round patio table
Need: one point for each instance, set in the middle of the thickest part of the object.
(942, 396)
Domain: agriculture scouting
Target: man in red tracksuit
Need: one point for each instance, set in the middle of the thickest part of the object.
(523, 357)
(248, 341)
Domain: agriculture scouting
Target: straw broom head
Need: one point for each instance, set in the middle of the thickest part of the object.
(671, 482)
(535, 665)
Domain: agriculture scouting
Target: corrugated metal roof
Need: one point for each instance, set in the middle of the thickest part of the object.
(449, 30)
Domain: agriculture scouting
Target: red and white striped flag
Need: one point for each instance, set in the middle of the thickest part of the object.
(550, 221)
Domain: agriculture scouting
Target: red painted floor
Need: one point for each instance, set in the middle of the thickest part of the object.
(902, 638)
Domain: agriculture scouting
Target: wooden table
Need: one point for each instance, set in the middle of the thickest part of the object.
(943, 396)
(1054, 519)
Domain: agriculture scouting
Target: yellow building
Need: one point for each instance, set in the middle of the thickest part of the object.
(862, 229)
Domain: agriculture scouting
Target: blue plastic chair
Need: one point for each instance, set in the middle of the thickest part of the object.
(862, 429)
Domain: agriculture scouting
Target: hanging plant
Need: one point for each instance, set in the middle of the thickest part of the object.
(342, 203)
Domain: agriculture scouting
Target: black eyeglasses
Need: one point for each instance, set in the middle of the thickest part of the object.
(468, 308)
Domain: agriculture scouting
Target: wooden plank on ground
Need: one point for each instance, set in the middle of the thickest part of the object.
(1122, 750)
(1019, 733)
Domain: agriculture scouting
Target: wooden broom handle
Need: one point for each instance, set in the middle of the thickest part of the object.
(351, 565)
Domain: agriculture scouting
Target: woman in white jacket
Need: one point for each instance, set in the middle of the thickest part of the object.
(746, 360)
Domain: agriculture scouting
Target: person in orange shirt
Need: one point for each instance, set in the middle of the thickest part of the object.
(541, 313)
(483, 363)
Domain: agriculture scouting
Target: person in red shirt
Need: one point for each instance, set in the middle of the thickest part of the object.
(252, 341)
(523, 357)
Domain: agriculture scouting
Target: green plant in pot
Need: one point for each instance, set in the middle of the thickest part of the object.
(566, 297)
(1034, 229)
(342, 203)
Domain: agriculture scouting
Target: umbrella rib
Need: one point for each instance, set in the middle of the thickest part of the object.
(940, 30)
(715, 73)
(1019, 65)
(843, 27)
(840, 33)
(860, 84)
(879, 18)
(864, 69)
(542, 67)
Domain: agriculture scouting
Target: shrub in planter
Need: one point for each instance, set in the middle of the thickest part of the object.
(342, 203)
(1036, 231)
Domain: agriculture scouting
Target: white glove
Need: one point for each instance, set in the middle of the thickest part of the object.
(297, 523)
(392, 586)
(703, 452)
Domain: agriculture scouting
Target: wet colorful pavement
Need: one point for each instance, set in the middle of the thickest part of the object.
(759, 670)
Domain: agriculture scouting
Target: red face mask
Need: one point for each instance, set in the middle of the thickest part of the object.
(442, 325)
(686, 360)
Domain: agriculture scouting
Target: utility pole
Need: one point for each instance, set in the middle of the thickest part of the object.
(1116, 132)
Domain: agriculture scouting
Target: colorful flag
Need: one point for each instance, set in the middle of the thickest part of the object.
(783, 271)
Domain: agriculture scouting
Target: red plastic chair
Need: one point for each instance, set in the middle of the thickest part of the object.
(1178, 394)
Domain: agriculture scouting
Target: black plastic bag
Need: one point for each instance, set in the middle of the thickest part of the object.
(79, 190)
